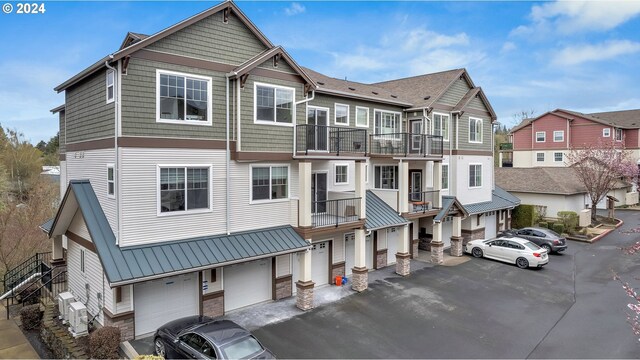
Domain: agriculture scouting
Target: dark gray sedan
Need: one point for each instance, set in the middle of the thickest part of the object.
(545, 238)
(201, 337)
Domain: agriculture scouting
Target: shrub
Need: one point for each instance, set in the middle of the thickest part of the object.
(104, 342)
(523, 216)
(559, 228)
(550, 225)
(569, 219)
(542, 224)
(31, 316)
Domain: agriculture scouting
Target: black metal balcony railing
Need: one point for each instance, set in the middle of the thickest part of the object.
(405, 144)
(506, 146)
(335, 212)
(423, 201)
(333, 139)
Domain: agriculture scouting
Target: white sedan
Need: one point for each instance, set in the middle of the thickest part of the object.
(513, 250)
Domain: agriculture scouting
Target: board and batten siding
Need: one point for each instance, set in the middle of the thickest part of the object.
(463, 133)
(88, 116)
(139, 101)
(92, 165)
(211, 39)
(455, 93)
(92, 276)
(139, 196)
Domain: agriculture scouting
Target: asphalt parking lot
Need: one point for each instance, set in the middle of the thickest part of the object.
(572, 308)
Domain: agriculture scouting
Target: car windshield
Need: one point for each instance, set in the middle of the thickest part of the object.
(242, 348)
(531, 245)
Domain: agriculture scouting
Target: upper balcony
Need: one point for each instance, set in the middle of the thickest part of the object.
(333, 140)
(406, 145)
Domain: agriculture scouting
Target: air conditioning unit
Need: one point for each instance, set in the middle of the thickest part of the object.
(64, 299)
(78, 321)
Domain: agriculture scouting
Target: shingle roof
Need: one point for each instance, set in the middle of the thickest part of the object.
(500, 199)
(380, 214)
(124, 265)
(626, 119)
(559, 180)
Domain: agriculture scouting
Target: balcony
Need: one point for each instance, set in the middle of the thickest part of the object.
(330, 139)
(506, 146)
(335, 212)
(406, 144)
(423, 202)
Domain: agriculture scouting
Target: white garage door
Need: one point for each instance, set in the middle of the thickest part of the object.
(447, 231)
(247, 284)
(392, 245)
(160, 301)
(490, 226)
(320, 263)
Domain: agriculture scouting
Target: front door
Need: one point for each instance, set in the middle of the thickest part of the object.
(317, 131)
(318, 193)
(416, 135)
(415, 185)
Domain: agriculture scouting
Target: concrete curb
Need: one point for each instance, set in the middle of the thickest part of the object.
(597, 238)
(128, 350)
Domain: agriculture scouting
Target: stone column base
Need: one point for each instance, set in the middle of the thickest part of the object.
(123, 321)
(304, 295)
(403, 264)
(414, 244)
(360, 279)
(437, 252)
(456, 246)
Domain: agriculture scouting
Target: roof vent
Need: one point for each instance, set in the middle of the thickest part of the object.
(374, 93)
(320, 82)
(352, 89)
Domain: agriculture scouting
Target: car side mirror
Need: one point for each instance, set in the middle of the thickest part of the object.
(176, 340)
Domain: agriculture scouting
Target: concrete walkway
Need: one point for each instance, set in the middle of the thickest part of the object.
(13, 343)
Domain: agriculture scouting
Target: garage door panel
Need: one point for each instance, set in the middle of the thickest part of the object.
(490, 226)
(247, 284)
(392, 245)
(320, 263)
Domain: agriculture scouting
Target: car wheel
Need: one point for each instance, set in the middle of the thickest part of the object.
(546, 247)
(476, 252)
(522, 263)
(159, 347)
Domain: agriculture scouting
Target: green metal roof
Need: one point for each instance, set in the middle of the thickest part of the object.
(124, 265)
(46, 227)
(500, 199)
(447, 203)
(380, 214)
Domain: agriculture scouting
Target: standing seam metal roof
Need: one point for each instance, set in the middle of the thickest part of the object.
(380, 214)
(500, 199)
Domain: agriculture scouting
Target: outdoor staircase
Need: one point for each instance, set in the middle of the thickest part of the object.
(37, 263)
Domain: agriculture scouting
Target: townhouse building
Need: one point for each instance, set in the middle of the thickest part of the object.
(203, 170)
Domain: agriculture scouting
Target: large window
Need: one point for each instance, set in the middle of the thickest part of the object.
(475, 130)
(341, 112)
(445, 176)
(362, 116)
(618, 134)
(342, 174)
(475, 175)
(387, 122)
(558, 136)
(184, 189)
(540, 136)
(539, 157)
(274, 104)
(183, 98)
(386, 177)
(269, 182)
(111, 81)
(111, 181)
(441, 126)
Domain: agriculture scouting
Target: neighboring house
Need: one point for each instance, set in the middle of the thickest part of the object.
(203, 170)
(554, 188)
(52, 172)
(546, 139)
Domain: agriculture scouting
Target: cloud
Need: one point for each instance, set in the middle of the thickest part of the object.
(569, 17)
(294, 9)
(508, 47)
(578, 54)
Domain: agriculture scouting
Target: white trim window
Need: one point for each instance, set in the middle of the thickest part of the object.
(269, 182)
(541, 136)
(387, 122)
(558, 157)
(386, 177)
(475, 175)
(558, 136)
(362, 116)
(274, 104)
(540, 157)
(183, 98)
(341, 114)
(441, 125)
(111, 181)
(184, 189)
(342, 174)
(111, 86)
(618, 134)
(475, 130)
(445, 176)
(606, 132)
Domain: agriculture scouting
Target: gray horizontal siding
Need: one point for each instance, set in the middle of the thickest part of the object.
(212, 39)
(455, 93)
(87, 114)
(477, 105)
(62, 149)
(463, 134)
(282, 66)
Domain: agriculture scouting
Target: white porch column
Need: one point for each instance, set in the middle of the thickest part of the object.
(499, 159)
(403, 187)
(437, 184)
(361, 188)
(403, 257)
(456, 237)
(360, 277)
(57, 253)
(304, 183)
(304, 294)
(437, 246)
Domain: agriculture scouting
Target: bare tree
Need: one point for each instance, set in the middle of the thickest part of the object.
(599, 166)
(522, 115)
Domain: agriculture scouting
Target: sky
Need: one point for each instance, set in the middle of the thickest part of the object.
(527, 56)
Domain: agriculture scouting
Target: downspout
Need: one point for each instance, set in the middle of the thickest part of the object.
(239, 103)
(228, 153)
(116, 166)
